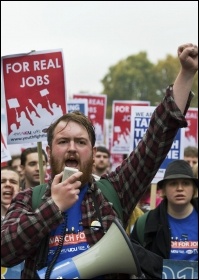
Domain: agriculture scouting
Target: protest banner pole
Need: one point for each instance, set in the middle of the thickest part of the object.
(153, 196)
(41, 170)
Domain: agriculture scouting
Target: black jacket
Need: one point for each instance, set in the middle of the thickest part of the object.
(157, 238)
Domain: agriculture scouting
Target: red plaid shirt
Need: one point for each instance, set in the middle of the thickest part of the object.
(23, 228)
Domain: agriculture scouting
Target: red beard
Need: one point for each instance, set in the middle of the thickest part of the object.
(86, 170)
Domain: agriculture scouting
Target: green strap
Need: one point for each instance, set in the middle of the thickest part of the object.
(140, 226)
(37, 194)
(104, 185)
(111, 195)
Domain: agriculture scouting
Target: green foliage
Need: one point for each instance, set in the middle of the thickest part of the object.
(166, 72)
(136, 78)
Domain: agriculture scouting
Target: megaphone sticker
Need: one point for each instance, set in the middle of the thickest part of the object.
(96, 225)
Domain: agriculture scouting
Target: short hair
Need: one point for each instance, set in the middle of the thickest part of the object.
(191, 151)
(18, 156)
(10, 168)
(103, 149)
(75, 116)
(30, 151)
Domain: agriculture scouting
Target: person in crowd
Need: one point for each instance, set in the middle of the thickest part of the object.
(145, 201)
(30, 166)
(10, 182)
(70, 208)
(191, 155)
(171, 229)
(10, 186)
(16, 163)
(143, 206)
(101, 163)
(137, 212)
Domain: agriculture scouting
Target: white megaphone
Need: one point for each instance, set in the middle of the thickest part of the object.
(113, 253)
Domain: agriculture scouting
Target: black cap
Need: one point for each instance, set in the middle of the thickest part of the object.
(178, 169)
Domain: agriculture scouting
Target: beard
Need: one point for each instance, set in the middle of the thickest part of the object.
(86, 168)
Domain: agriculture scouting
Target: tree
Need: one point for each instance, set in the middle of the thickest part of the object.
(136, 78)
(166, 71)
(130, 79)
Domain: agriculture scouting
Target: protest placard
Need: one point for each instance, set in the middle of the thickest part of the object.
(35, 94)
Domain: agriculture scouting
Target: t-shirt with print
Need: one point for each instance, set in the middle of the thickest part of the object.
(184, 237)
(75, 239)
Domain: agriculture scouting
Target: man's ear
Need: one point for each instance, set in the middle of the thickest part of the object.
(94, 151)
(48, 151)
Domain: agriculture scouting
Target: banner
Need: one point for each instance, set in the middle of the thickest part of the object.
(5, 153)
(121, 115)
(140, 118)
(78, 105)
(173, 269)
(191, 131)
(96, 113)
(35, 95)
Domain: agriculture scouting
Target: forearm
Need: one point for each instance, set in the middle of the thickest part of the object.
(181, 89)
(188, 57)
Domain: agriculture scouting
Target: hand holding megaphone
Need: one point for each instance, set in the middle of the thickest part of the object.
(65, 188)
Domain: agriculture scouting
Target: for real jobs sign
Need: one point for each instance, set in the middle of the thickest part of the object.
(34, 88)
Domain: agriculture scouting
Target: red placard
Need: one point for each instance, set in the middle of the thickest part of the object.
(191, 131)
(121, 114)
(34, 88)
(96, 113)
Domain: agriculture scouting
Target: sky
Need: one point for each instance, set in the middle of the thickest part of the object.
(95, 35)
